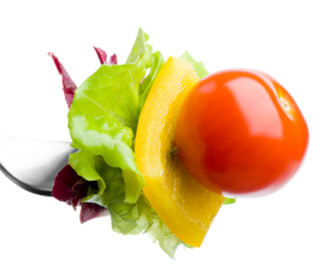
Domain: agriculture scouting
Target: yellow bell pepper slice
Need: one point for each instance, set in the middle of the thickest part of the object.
(184, 205)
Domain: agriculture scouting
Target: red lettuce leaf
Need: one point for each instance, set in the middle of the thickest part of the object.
(90, 211)
(113, 59)
(69, 187)
(69, 87)
(102, 55)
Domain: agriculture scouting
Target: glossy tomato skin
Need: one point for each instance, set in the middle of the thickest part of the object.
(240, 132)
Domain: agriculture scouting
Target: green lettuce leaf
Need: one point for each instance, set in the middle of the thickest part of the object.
(107, 127)
(198, 66)
(140, 48)
(229, 200)
(103, 118)
(157, 63)
(102, 122)
(127, 218)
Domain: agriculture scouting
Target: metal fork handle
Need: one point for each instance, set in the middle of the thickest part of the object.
(23, 185)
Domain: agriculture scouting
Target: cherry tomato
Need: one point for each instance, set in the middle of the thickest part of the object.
(240, 132)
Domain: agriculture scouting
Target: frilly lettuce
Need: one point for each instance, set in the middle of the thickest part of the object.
(102, 121)
(198, 66)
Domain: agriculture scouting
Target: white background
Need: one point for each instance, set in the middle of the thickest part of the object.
(285, 235)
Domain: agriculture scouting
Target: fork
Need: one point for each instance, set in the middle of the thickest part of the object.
(33, 164)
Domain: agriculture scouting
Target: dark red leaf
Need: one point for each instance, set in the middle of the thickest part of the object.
(102, 55)
(90, 211)
(113, 59)
(64, 182)
(71, 188)
(79, 191)
(69, 87)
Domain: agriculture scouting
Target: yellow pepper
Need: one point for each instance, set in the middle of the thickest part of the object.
(184, 205)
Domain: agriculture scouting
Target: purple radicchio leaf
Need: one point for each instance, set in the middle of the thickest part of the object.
(69, 187)
(90, 211)
(69, 87)
(113, 59)
(102, 55)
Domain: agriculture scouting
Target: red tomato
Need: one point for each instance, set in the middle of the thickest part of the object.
(240, 132)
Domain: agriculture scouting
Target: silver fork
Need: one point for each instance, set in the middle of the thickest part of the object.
(33, 164)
